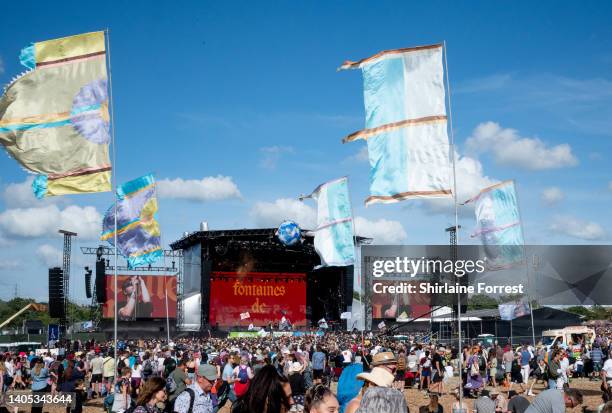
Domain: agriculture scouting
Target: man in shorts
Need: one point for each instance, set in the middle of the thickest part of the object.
(97, 367)
(318, 365)
(108, 372)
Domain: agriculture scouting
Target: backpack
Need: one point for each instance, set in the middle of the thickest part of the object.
(121, 364)
(482, 365)
(243, 375)
(170, 384)
(147, 369)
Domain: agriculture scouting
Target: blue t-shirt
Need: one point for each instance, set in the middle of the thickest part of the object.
(525, 357)
(227, 372)
(40, 381)
(318, 360)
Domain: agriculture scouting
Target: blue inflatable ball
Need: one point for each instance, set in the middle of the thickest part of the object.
(289, 233)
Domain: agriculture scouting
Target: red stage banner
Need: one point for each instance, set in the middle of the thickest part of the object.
(265, 296)
(139, 297)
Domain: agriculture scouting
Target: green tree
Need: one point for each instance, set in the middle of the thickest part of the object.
(481, 301)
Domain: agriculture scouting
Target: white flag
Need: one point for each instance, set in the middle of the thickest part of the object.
(345, 316)
(251, 327)
(381, 325)
(406, 121)
(244, 316)
(262, 333)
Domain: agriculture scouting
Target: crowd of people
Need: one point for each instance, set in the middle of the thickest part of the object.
(336, 372)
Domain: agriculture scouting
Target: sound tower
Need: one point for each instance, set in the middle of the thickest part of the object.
(205, 300)
(101, 281)
(56, 293)
(87, 282)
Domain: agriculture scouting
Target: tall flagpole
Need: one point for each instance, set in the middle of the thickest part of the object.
(452, 150)
(114, 179)
(167, 316)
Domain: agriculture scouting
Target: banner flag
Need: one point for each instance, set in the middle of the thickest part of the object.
(346, 315)
(498, 225)
(251, 327)
(511, 311)
(244, 316)
(406, 124)
(333, 239)
(138, 234)
(54, 118)
(381, 325)
(262, 333)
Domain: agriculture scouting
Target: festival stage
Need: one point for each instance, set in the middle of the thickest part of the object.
(229, 273)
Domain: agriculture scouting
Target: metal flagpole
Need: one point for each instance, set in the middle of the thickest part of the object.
(452, 150)
(167, 316)
(114, 179)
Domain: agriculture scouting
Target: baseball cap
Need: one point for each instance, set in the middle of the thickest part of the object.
(207, 371)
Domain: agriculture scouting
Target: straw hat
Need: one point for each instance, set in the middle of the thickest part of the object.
(379, 376)
(296, 367)
(386, 357)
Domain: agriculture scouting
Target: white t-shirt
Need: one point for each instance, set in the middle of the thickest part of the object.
(97, 365)
(607, 367)
(347, 356)
(137, 371)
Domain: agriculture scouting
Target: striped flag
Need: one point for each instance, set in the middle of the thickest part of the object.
(406, 124)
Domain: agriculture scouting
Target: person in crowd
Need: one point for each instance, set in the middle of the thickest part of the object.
(269, 392)
(458, 406)
(319, 363)
(501, 404)
(433, 407)
(197, 397)
(555, 401)
(40, 381)
(108, 371)
(122, 399)
(383, 400)
(378, 377)
(484, 404)
(320, 399)
(177, 381)
(152, 396)
(298, 388)
(475, 382)
(517, 403)
(97, 369)
(242, 376)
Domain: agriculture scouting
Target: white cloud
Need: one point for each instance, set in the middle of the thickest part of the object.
(578, 228)
(470, 181)
(46, 221)
(8, 264)
(361, 156)
(552, 195)
(49, 255)
(210, 188)
(511, 149)
(383, 231)
(272, 154)
(20, 195)
(271, 214)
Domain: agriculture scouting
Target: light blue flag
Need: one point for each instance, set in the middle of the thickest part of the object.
(498, 225)
(334, 233)
(406, 124)
(138, 234)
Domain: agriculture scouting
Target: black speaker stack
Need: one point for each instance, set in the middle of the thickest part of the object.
(56, 293)
(101, 281)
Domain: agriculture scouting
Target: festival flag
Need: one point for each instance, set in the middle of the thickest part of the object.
(498, 225)
(333, 238)
(262, 333)
(381, 325)
(406, 124)
(322, 323)
(346, 315)
(514, 310)
(54, 118)
(251, 327)
(244, 316)
(138, 234)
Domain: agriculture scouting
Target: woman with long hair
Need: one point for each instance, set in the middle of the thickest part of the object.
(269, 392)
(152, 396)
(40, 381)
(136, 377)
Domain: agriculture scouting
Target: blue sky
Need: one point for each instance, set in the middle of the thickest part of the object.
(242, 102)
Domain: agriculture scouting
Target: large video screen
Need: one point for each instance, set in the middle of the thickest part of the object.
(140, 297)
(267, 297)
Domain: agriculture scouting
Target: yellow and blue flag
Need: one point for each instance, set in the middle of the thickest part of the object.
(138, 234)
(54, 118)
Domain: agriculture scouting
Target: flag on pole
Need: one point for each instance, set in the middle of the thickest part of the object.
(138, 234)
(244, 316)
(251, 327)
(381, 325)
(333, 239)
(346, 315)
(406, 124)
(498, 225)
(54, 118)
(511, 311)
(322, 323)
